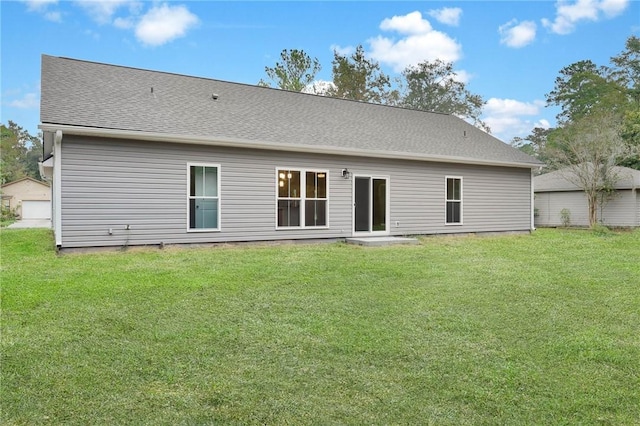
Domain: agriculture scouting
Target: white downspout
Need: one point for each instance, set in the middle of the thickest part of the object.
(634, 191)
(57, 187)
(533, 227)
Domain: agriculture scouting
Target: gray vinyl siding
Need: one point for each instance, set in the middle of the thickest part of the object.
(109, 184)
(620, 211)
(550, 204)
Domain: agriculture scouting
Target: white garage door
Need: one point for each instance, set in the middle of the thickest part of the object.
(36, 210)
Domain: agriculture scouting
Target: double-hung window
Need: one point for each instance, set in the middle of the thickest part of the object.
(315, 205)
(204, 197)
(302, 198)
(454, 201)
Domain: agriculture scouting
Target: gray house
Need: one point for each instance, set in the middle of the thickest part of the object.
(554, 192)
(145, 157)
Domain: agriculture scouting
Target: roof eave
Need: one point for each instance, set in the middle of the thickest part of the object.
(251, 144)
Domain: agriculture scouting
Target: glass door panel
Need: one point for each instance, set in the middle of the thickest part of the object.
(370, 204)
(362, 204)
(379, 205)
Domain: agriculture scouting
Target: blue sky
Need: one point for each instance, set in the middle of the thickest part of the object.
(509, 52)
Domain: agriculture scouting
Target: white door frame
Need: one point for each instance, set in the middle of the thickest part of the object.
(371, 177)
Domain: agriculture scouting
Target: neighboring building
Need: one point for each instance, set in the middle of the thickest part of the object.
(145, 157)
(27, 198)
(554, 192)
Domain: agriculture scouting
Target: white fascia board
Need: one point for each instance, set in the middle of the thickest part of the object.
(273, 146)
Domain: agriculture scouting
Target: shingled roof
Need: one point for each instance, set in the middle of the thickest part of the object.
(94, 98)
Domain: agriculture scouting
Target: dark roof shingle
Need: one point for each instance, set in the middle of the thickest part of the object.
(94, 95)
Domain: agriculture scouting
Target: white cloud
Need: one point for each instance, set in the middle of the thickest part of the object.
(342, 50)
(39, 5)
(164, 23)
(613, 8)
(53, 16)
(94, 35)
(447, 15)
(543, 124)
(411, 23)
(496, 106)
(319, 87)
(517, 35)
(28, 101)
(463, 76)
(508, 118)
(568, 15)
(43, 7)
(124, 23)
(421, 43)
(102, 11)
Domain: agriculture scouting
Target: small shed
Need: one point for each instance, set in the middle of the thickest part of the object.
(28, 198)
(554, 192)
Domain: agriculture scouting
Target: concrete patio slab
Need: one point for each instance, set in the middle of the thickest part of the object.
(31, 223)
(381, 241)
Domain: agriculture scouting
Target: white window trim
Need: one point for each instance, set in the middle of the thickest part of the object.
(219, 198)
(303, 186)
(461, 201)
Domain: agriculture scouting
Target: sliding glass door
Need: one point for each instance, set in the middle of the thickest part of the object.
(370, 204)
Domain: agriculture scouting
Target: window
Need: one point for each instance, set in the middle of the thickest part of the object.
(302, 198)
(454, 200)
(289, 197)
(204, 199)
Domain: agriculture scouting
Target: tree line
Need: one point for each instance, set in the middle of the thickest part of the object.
(599, 116)
(20, 153)
(428, 86)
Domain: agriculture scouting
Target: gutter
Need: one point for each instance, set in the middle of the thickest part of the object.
(250, 144)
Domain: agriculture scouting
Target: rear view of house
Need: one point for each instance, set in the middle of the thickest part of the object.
(146, 157)
(558, 199)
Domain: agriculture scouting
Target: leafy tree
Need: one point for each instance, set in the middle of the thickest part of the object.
(296, 71)
(589, 149)
(33, 157)
(627, 69)
(357, 78)
(583, 88)
(534, 144)
(432, 86)
(13, 153)
(19, 153)
(627, 73)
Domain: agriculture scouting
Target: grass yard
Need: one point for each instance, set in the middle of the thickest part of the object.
(540, 329)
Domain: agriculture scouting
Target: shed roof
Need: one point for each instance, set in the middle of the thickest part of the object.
(27, 179)
(122, 101)
(559, 180)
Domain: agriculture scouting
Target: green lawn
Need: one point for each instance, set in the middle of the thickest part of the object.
(541, 329)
